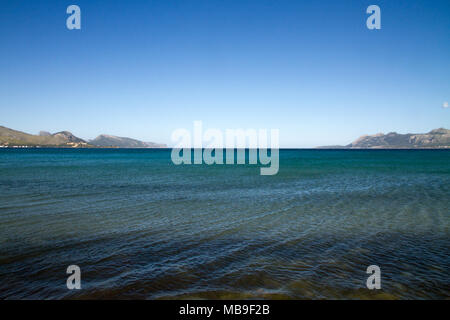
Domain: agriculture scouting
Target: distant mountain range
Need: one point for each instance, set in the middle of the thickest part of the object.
(437, 138)
(11, 138)
(105, 140)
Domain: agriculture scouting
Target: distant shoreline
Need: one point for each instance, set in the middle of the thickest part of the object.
(169, 148)
(78, 148)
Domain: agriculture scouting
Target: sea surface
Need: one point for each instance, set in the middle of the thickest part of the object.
(140, 227)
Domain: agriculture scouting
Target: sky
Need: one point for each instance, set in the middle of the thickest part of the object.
(142, 69)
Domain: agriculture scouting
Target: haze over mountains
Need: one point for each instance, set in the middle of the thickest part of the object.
(10, 137)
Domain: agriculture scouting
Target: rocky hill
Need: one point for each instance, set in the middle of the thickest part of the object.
(10, 137)
(105, 140)
(438, 138)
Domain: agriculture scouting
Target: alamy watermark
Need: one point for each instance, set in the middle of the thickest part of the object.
(211, 145)
(74, 20)
(374, 280)
(374, 20)
(74, 280)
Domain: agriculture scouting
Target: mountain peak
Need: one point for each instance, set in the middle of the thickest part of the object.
(68, 136)
(440, 131)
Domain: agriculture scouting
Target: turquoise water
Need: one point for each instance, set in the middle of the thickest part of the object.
(140, 227)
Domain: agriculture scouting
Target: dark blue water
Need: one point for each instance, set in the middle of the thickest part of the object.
(140, 227)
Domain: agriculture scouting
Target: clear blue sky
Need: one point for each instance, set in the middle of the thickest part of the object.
(144, 68)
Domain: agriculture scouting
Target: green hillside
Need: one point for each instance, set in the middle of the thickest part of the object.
(9, 137)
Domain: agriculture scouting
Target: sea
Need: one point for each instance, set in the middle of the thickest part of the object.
(140, 227)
